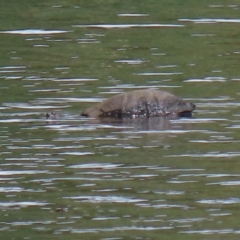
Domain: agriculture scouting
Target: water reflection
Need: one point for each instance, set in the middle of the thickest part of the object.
(141, 124)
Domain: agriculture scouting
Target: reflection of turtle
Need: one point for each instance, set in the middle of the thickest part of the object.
(141, 103)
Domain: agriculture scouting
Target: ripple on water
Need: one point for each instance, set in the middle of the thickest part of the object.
(210, 231)
(169, 192)
(131, 61)
(207, 79)
(13, 69)
(104, 218)
(164, 206)
(133, 87)
(88, 40)
(133, 15)
(220, 98)
(111, 26)
(97, 166)
(215, 6)
(84, 127)
(41, 45)
(106, 199)
(126, 86)
(18, 120)
(35, 78)
(234, 126)
(203, 35)
(167, 66)
(212, 175)
(210, 20)
(215, 141)
(198, 120)
(188, 220)
(21, 204)
(23, 172)
(77, 153)
(17, 190)
(158, 74)
(30, 106)
(124, 228)
(45, 90)
(209, 155)
(34, 31)
(165, 131)
(67, 100)
(27, 223)
(220, 201)
(225, 183)
(55, 40)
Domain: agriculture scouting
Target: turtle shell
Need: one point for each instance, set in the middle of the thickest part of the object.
(141, 103)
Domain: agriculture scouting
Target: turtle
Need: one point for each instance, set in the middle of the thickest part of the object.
(143, 103)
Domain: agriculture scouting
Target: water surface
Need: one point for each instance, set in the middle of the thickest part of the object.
(82, 178)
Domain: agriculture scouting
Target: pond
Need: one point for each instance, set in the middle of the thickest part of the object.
(82, 178)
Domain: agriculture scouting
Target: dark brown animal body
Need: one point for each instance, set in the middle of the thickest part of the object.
(141, 103)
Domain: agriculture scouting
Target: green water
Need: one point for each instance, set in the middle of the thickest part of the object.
(82, 179)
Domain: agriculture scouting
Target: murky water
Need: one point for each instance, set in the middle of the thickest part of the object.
(82, 178)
